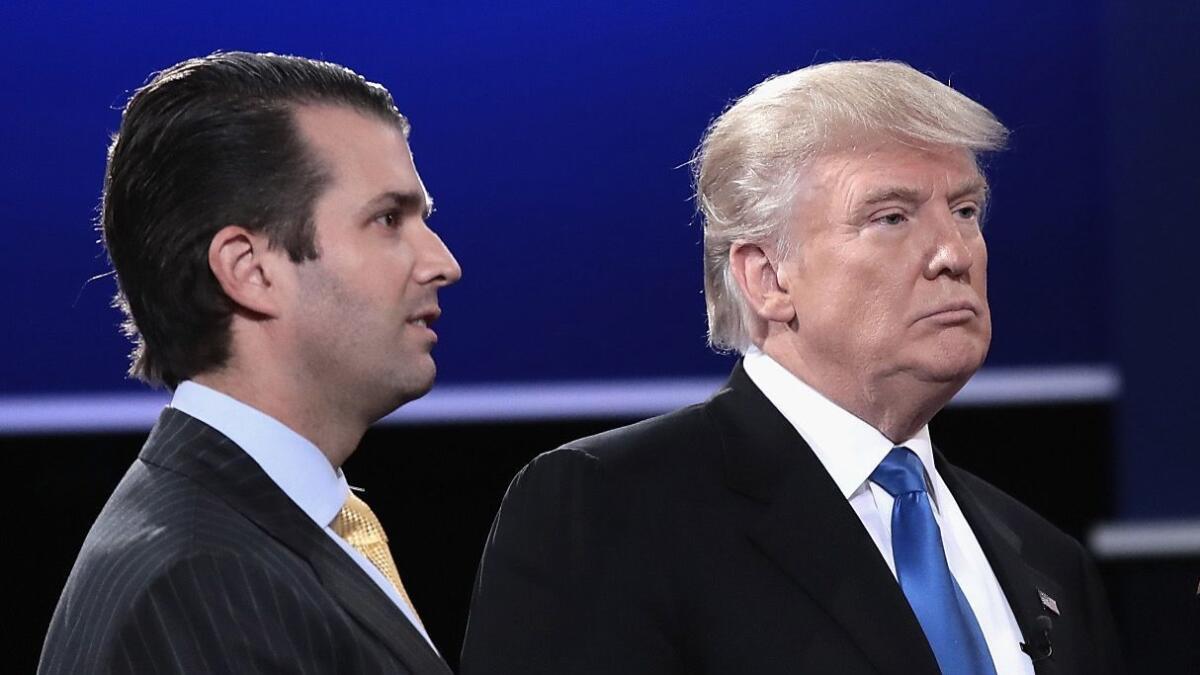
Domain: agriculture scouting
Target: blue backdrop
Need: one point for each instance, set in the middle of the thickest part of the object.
(552, 138)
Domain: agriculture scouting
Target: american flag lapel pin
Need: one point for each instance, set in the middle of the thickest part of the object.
(1048, 602)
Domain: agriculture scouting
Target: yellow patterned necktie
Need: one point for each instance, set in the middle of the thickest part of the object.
(357, 524)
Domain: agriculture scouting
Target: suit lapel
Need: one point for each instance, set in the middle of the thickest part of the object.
(184, 444)
(1022, 584)
(372, 608)
(810, 531)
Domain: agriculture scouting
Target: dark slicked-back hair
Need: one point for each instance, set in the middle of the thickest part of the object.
(207, 143)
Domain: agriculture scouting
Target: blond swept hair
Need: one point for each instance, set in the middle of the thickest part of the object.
(751, 158)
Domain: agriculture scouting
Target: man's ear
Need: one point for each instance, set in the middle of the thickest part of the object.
(246, 269)
(761, 283)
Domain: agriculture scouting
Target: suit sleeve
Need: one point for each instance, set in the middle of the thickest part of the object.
(219, 613)
(561, 585)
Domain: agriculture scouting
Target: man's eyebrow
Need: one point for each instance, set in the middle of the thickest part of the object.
(890, 193)
(406, 202)
(976, 186)
(909, 195)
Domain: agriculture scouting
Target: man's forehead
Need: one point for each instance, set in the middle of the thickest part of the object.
(354, 147)
(868, 171)
(333, 130)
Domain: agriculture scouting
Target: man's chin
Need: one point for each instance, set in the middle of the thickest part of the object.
(950, 372)
(407, 388)
(417, 385)
(951, 364)
(418, 390)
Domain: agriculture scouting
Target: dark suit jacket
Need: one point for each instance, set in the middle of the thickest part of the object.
(712, 540)
(199, 563)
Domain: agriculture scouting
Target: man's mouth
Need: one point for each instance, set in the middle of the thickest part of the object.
(426, 318)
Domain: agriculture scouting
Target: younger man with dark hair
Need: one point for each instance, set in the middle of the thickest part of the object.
(267, 228)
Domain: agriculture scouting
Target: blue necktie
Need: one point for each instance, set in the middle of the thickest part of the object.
(925, 578)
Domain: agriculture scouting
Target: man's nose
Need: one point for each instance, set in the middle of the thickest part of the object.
(436, 263)
(949, 249)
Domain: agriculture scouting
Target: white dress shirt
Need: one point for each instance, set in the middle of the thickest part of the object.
(297, 466)
(850, 450)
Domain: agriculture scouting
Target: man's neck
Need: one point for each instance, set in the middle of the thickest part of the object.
(897, 405)
(332, 432)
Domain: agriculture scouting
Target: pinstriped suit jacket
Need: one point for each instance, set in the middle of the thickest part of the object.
(200, 563)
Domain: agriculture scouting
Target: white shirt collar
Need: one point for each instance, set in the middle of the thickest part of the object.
(297, 466)
(849, 448)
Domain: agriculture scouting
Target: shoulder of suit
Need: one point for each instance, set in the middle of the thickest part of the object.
(141, 555)
(1023, 520)
(648, 444)
(665, 455)
(157, 518)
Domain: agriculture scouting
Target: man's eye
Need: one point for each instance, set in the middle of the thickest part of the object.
(891, 219)
(968, 212)
(389, 219)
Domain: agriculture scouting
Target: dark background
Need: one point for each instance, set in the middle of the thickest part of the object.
(436, 489)
(552, 136)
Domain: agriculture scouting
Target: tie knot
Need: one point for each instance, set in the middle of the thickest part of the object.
(357, 524)
(900, 472)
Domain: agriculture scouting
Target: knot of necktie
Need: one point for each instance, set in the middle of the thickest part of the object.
(358, 525)
(900, 472)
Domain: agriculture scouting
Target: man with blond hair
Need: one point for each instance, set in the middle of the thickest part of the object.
(800, 520)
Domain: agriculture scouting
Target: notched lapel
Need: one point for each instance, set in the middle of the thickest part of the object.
(808, 529)
(825, 550)
(372, 608)
(1023, 584)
